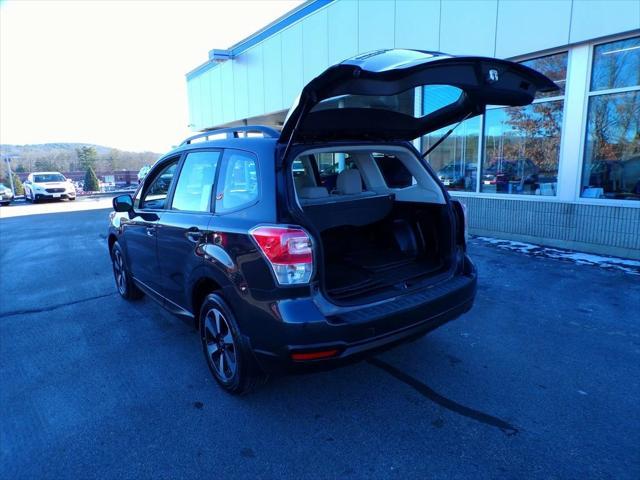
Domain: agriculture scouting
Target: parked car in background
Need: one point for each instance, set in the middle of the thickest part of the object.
(511, 175)
(48, 186)
(241, 237)
(6, 195)
(456, 176)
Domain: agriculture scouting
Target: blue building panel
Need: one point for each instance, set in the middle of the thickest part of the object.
(417, 24)
(215, 90)
(272, 54)
(603, 17)
(342, 30)
(376, 24)
(291, 51)
(468, 27)
(314, 39)
(516, 37)
(228, 92)
(207, 105)
(241, 88)
(255, 80)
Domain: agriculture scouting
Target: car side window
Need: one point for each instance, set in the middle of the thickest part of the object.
(393, 171)
(155, 194)
(238, 182)
(193, 190)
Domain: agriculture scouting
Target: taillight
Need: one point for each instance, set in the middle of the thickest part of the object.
(288, 251)
(460, 210)
(466, 222)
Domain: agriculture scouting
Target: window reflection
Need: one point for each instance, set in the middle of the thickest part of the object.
(612, 152)
(522, 149)
(456, 159)
(616, 65)
(555, 68)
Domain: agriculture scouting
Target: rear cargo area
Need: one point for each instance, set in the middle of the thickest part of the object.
(403, 249)
(376, 240)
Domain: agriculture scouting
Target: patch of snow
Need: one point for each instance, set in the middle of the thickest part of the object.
(622, 264)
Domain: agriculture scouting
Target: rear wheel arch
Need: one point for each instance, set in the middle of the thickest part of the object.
(201, 288)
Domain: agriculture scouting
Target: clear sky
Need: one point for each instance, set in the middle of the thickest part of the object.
(111, 72)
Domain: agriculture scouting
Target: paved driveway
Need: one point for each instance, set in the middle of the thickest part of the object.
(541, 380)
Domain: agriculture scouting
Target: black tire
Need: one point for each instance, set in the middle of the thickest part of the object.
(124, 283)
(225, 350)
(72, 199)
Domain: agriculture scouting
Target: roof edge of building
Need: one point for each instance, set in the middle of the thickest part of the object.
(289, 18)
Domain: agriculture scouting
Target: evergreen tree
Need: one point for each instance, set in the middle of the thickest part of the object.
(91, 182)
(18, 189)
(87, 156)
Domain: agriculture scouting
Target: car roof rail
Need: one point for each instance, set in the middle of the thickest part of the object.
(234, 132)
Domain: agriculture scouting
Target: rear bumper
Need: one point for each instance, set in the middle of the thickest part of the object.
(359, 333)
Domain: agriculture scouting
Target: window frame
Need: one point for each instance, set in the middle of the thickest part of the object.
(183, 159)
(146, 183)
(587, 94)
(222, 167)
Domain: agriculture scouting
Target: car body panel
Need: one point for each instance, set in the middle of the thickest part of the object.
(275, 320)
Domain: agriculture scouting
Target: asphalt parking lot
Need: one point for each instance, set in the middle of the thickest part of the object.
(540, 380)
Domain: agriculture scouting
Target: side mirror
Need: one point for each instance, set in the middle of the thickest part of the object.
(123, 203)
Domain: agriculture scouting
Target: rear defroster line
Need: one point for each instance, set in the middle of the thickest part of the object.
(435, 397)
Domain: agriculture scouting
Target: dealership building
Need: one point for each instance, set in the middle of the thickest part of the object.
(563, 171)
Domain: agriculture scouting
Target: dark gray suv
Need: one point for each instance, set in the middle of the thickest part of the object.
(322, 243)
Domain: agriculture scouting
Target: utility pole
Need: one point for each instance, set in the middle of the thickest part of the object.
(8, 160)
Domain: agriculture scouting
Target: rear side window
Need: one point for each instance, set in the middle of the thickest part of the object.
(393, 171)
(193, 190)
(238, 182)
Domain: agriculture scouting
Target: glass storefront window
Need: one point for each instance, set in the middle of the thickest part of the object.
(522, 149)
(616, 65)
(612, 151)
(455, 161)
(554, 67)
(522, 144)
(611, 166)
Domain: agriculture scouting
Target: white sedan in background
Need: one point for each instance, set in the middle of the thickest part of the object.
(48, 186)
(6, 195)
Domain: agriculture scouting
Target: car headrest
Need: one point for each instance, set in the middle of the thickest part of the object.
(349, 182)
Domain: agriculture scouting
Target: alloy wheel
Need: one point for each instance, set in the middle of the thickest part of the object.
(219, 345)
(118, 270)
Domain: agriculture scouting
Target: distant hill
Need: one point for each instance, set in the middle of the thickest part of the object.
(47, 148)
(63, 157)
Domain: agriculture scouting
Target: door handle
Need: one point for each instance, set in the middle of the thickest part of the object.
(151, 231)
(194, 234)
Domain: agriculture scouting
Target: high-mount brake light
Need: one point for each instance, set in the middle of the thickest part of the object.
(288, 251)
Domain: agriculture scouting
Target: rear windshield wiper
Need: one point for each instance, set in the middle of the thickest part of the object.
(445, 136)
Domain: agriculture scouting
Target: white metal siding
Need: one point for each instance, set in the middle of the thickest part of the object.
(267, 77)
(291, 63)
(536, 30)
(418, 23)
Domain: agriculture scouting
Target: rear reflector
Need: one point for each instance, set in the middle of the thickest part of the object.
(288, 251)
(318, 354)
